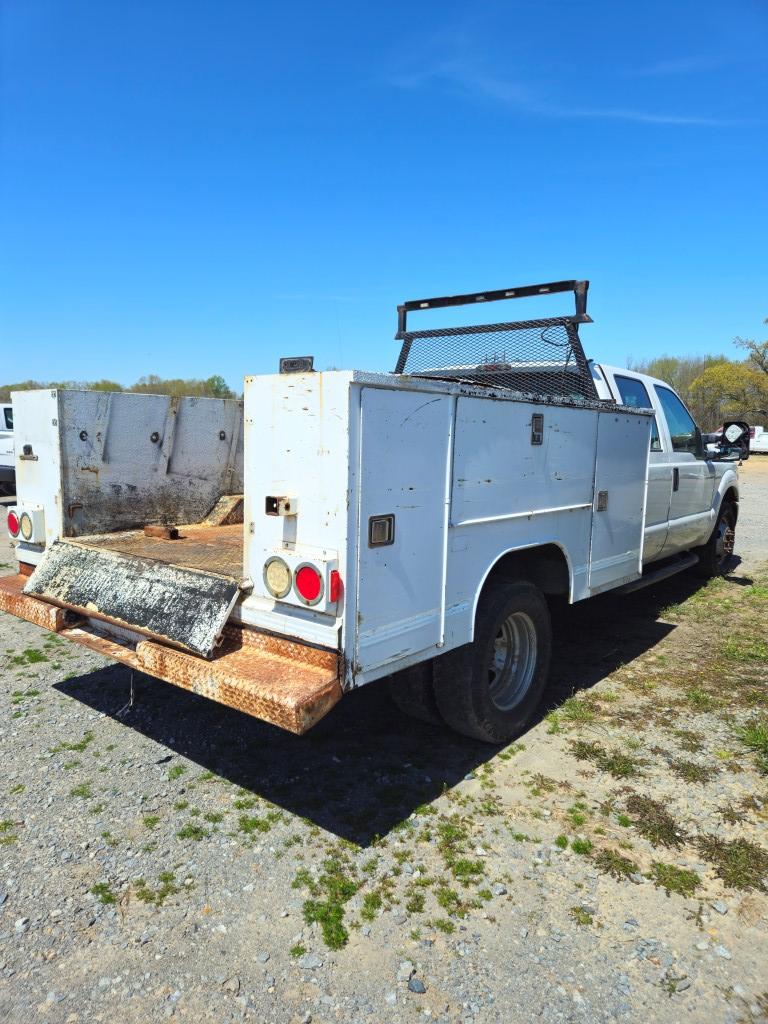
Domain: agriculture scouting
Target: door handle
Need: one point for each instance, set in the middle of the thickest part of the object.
(675, 479)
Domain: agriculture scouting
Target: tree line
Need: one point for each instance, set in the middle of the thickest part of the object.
(717, 387)
(211, 387)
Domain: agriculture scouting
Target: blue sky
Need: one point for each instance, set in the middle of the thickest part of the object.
(192, 188)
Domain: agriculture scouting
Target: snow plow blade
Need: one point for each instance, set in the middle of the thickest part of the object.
(174, 604)
(287, 684)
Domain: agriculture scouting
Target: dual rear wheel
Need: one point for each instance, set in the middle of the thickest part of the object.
(488, 689)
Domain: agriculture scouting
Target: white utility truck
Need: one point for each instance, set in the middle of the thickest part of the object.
(7, 475)
(337, 528)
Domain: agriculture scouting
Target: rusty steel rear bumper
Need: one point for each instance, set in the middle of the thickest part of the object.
(279, 681)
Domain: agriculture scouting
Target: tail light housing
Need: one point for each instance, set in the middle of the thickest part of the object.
(14, 524)
(308, 584)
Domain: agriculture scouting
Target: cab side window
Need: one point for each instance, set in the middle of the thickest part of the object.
(681, 425)
(8, 418)
(633, 393)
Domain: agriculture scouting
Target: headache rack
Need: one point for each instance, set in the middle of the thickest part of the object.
(539, 359)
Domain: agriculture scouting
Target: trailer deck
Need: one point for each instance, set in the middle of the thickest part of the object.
(216, 549)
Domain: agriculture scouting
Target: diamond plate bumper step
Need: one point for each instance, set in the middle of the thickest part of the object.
(279, 681)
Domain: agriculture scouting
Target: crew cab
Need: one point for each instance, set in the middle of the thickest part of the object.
(339, 528)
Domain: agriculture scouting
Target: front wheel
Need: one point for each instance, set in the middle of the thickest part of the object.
(716, 554)
(489, 689)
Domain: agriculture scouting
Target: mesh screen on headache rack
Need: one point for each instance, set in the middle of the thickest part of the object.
(534, 358)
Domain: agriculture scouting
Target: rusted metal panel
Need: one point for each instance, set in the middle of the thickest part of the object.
(15, 602)
(178, 605)
(255, 679)
(256, 674)
(217, 549)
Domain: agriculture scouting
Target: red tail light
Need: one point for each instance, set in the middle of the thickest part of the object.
(308, 583)
(336, 588)
(13, 524)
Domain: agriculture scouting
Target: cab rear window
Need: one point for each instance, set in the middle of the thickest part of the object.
(8, 419)
(634, 394)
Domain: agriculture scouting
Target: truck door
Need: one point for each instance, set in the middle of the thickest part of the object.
(693, 478)
(633, 392)
(618, 512)
(404, 472)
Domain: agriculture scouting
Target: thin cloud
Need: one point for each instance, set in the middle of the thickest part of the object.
(470, 82)
(693, 65)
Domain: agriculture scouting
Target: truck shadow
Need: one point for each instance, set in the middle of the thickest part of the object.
(365, 767)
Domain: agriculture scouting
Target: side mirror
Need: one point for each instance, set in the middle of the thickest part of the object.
(699, 445)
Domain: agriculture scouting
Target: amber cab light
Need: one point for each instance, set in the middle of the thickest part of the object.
(308, 583)
(13, 524)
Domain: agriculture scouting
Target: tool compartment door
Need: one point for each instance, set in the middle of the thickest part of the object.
(406, 440)
(618, 511)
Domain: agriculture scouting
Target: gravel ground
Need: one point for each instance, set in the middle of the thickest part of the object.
(165, 857)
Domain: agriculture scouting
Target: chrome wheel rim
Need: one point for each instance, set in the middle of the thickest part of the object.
(513, 661)
(724, 541)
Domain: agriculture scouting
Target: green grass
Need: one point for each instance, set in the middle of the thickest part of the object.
(298, 950)
(166, 887)
(214, 817)
(7, 833)
(18, 696)
(181, 805)
(371, 905)
(744, 649)
(700, 700)
(78, 747)
(18, 787)
(740, 863)
(415, 903)
(176, 771)
(444, 925)
(613, 863)
(193, 831)
(104, 893)
(30, 656)
(755, 736)
(83, 790)
(250, 823)
(582, 846)
(332, 890)
(581, 916)
(674, 879)
(615, 762)
(561, 842)
(151, 820)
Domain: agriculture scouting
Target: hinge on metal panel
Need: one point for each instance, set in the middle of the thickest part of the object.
(602, 501)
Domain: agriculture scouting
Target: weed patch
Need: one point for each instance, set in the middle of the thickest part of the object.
(653, 822)
(740, 863)
(335, 887)
(166, 887)
(103, 893)
(615, 762)
(674, 879)
(755, 736)
(689, 771)
(581, 916)
(610, 862)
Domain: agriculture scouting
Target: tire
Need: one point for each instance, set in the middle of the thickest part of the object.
(490, 689)
(412, 692)
(716, 554)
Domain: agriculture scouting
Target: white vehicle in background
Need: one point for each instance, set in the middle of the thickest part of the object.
(758, 440)
(7, 471)
(410, 525)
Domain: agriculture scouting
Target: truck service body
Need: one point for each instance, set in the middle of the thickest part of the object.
(340, 527)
